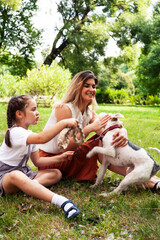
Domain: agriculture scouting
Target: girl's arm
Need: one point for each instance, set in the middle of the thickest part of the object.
(49, 133)
(46, 161)
(65, 112)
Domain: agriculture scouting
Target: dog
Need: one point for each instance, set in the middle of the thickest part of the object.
(131, 156)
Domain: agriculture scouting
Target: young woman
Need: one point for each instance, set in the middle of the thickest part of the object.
(76, 103)
(19, 145)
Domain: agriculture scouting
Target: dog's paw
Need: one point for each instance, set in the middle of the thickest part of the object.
(93, 186)
(89, 154)
(104, 194)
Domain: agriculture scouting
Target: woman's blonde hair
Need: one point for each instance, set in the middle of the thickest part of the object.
(73, 93)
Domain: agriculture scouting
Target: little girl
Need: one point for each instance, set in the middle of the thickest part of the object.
(19, 145)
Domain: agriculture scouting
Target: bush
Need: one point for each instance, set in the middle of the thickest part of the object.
(153, 100)
(112, 96)
(121, 96)
(8, 85)
(45, 84)
(48, 81)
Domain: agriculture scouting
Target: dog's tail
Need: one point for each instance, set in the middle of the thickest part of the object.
(155, 149)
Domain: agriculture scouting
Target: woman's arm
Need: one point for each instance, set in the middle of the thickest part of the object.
(47, 161)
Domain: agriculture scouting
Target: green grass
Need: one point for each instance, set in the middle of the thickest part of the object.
(135, 215)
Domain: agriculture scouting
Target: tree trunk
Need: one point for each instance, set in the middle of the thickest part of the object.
(55, 52)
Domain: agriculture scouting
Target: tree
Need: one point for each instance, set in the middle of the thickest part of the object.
(148, 69)
(76, 41)
(85, 54)
(112, 75)
(14, 4)
(18, 37)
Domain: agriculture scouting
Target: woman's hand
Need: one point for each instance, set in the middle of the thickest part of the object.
(99, 124)
(120, 138)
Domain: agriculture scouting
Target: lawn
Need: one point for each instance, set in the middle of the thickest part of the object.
(134, 215)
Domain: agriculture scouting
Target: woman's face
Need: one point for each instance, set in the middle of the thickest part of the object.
(88, 90)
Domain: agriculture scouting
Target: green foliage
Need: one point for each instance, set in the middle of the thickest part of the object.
(8, 85)
(47, 81)
(148, 71)
(87, 26)
(110, 75)
(131, 55)
(15, 64)
(123, 96)
(112, 96)
(14, 4)
(87, 50)
(140, 99)
(153, 100)
(18, 37)
(128, 25)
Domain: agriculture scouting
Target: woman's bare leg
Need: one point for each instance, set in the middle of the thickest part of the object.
(124, 171)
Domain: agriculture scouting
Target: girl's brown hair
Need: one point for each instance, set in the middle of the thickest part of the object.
(16, 103)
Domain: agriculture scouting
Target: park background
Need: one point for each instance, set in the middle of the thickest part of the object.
(120, 42)
(44, 44)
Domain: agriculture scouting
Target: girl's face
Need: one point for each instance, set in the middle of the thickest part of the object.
(31, 115)
(88, 91)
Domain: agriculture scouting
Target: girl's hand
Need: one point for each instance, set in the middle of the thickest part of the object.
(66, 156)
(120, 138)
(99, 124)
(71, 122)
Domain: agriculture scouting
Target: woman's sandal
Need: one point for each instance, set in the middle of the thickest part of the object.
(156, 189)
(74, 207)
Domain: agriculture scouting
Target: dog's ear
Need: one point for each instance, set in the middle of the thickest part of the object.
(118, 115)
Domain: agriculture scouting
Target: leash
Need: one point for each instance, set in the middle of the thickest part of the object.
(100, 137)
(109, 129)
(63, 139)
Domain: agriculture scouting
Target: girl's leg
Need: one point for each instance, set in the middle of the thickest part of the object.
(16, 180)
(48, 177)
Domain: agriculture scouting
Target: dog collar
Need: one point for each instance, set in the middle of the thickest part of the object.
(109, 129)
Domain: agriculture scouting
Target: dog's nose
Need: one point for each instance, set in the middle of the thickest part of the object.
(114, 119)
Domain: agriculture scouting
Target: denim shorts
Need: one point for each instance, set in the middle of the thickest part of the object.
(4, 169)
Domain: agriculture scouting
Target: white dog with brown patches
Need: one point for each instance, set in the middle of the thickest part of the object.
(132, 156)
